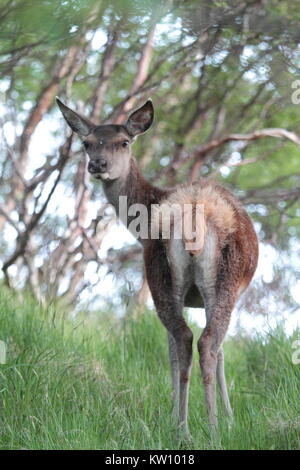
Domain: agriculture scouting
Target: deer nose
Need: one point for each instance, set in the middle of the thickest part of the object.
(99, 165)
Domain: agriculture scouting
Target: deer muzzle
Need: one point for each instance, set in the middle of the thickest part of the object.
(99, 165)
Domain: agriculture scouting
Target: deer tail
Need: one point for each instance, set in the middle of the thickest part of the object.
(194, 228)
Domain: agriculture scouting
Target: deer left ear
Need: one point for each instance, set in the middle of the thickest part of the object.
(140, 120)
(78, 124)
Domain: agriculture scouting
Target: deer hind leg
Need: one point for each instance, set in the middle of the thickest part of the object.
(208, 347)
(174, 363)
(168, 296)
(222, 384)
(221, 378)
(180, 348)
(211, 353)
(169, 308)
(184, 351)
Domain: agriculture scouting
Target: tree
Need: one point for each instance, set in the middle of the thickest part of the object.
(222, 76)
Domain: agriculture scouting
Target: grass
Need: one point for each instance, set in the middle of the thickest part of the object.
(105, 384)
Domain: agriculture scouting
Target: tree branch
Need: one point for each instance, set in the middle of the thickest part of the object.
(202, 151)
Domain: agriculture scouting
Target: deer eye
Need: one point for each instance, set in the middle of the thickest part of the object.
(86, 144)
(125, 143)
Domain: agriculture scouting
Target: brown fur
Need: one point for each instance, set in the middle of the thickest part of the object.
(214, 277)
(217, 211)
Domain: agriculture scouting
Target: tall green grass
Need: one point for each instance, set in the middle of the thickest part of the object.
(105, 384)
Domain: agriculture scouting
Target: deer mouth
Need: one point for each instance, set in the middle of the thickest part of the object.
(100, 176)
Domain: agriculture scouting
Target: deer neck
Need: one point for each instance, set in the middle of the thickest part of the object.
(134, 187)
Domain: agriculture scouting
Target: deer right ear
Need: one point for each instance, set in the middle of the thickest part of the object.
(140, 120)
(78, 124)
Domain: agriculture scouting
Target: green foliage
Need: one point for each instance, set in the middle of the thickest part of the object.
(100, 383)
(215, 68)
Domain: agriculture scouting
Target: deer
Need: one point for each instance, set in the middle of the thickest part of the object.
(213, 276)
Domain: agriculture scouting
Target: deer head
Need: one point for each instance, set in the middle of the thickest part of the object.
(109, 146)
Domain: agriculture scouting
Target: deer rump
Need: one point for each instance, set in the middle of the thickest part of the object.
(190, 212)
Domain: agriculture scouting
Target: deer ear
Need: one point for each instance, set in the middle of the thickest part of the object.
(140, 120)
(78, 124)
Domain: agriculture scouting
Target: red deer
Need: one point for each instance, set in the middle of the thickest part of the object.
(212, 276)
